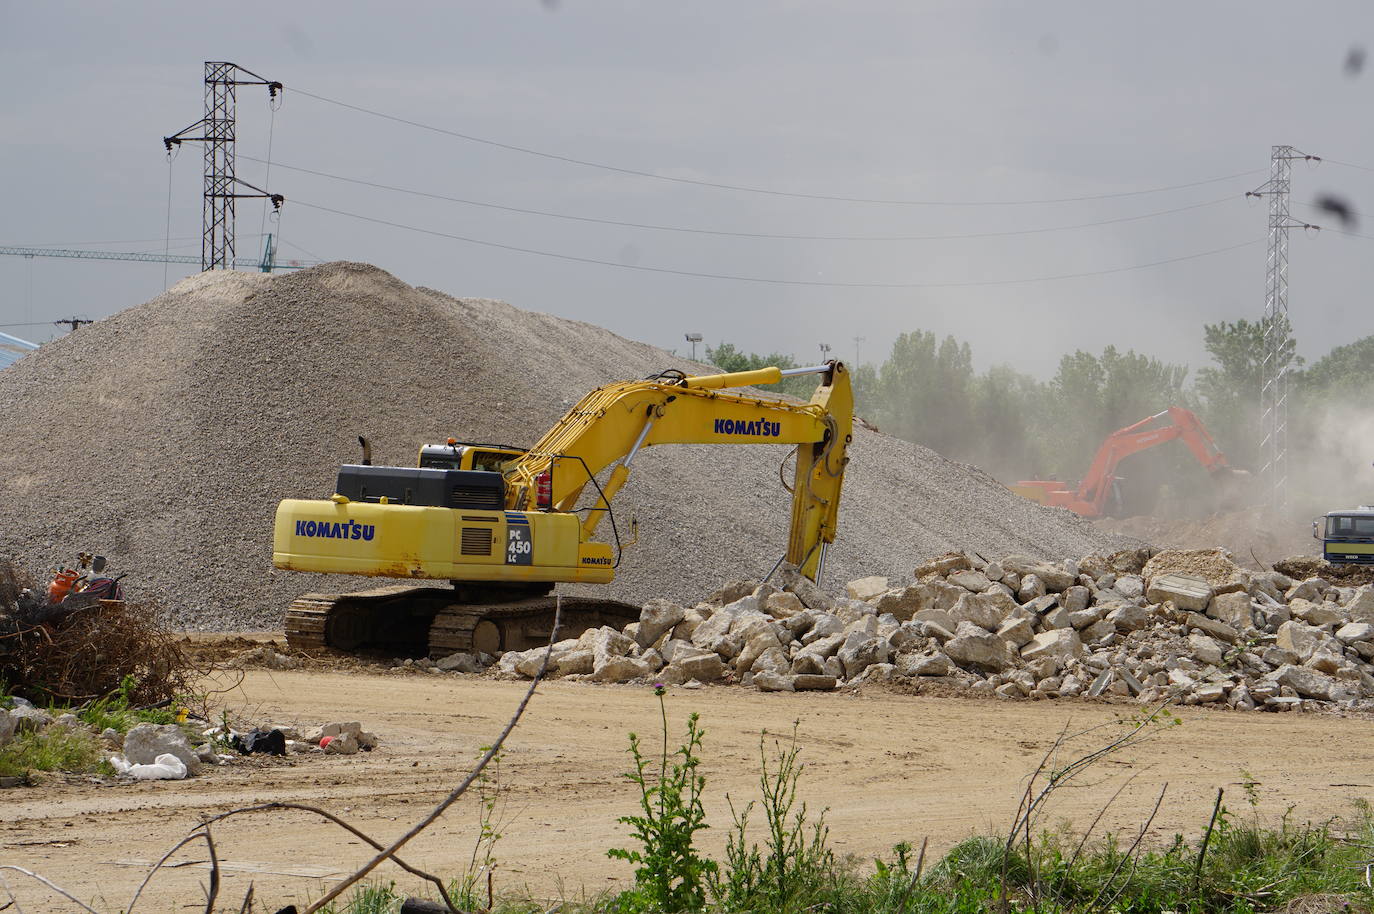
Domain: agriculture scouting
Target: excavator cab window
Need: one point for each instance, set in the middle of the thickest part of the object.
(492, 461)
(455, 456)
(441, 457)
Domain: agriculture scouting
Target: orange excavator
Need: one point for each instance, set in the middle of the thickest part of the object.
(1098, 491)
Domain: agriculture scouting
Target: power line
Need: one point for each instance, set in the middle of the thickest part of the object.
(1354, 212)
(728, 234)
(75, 244)
(767, 280)
(1347, 164)
(742, 188)
(152, 257)
(303, 250)
(1349, 234)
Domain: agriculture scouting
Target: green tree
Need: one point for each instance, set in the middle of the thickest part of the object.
(924, 393)
(1009, 409)
(728, 357)
(1230, 387)
(904, 386)
(1074, 412)
(865, 382)
(1094, 396)
(1331, 429)
(1344, 373)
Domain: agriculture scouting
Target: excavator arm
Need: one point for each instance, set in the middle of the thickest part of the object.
(612, 424)
(1091, 495)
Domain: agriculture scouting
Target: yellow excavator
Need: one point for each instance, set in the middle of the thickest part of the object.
(503, 524)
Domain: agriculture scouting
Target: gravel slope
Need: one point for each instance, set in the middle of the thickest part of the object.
(165, 435)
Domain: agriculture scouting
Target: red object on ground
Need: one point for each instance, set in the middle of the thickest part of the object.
(61, 586)
(325, 741)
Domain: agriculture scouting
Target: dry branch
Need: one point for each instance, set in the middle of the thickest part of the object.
(1132, 855)
(1032, 802)
(346, 826)
(50, 884)
(88, 653)
(195, 836)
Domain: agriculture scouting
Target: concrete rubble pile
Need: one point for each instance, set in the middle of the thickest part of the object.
(1191, 626)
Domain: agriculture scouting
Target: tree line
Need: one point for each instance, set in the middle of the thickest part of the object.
(1016, 427)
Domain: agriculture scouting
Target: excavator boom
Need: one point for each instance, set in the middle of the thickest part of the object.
(614, 422)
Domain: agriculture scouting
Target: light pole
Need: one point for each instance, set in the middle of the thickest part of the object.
(825, 352)
(694, 338)
(857, 341)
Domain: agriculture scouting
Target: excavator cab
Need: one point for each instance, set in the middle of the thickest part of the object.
(461, 455)
(1347, 536)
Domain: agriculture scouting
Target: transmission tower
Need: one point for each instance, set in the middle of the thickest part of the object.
(1278, 352)
(217, 131)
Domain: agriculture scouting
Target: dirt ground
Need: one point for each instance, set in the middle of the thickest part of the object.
(888, 767)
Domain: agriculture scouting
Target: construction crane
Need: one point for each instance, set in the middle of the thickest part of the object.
(266, 263)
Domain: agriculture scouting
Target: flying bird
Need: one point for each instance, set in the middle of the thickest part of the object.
(1354, 61)
(1339, 208)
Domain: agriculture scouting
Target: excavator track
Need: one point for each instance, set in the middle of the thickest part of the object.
(438, 621)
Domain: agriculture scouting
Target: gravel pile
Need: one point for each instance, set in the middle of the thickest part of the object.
(1109, 626)
(164, 437)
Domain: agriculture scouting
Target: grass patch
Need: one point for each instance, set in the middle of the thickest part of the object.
(1249, 868)
(115, 711)
(372, 898)
(50, 749)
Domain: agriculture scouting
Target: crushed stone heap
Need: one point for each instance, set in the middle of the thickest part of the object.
(164, 436)
(1190, 627)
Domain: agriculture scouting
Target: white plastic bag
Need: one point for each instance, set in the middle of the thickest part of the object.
(165, 767)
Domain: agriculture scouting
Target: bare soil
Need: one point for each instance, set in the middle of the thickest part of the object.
(888, 767)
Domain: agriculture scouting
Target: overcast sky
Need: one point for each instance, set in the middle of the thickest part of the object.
(984, 105)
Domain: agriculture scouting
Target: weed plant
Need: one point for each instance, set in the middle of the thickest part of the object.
(53, 748)
(116, 711)
(1249, 868)
(371, 898)
(796, 868)
(474, 890)
(670, 875)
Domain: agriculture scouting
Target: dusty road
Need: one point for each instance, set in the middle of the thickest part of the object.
(888, 766)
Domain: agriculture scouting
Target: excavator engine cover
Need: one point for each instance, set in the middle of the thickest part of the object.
(429, 487)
